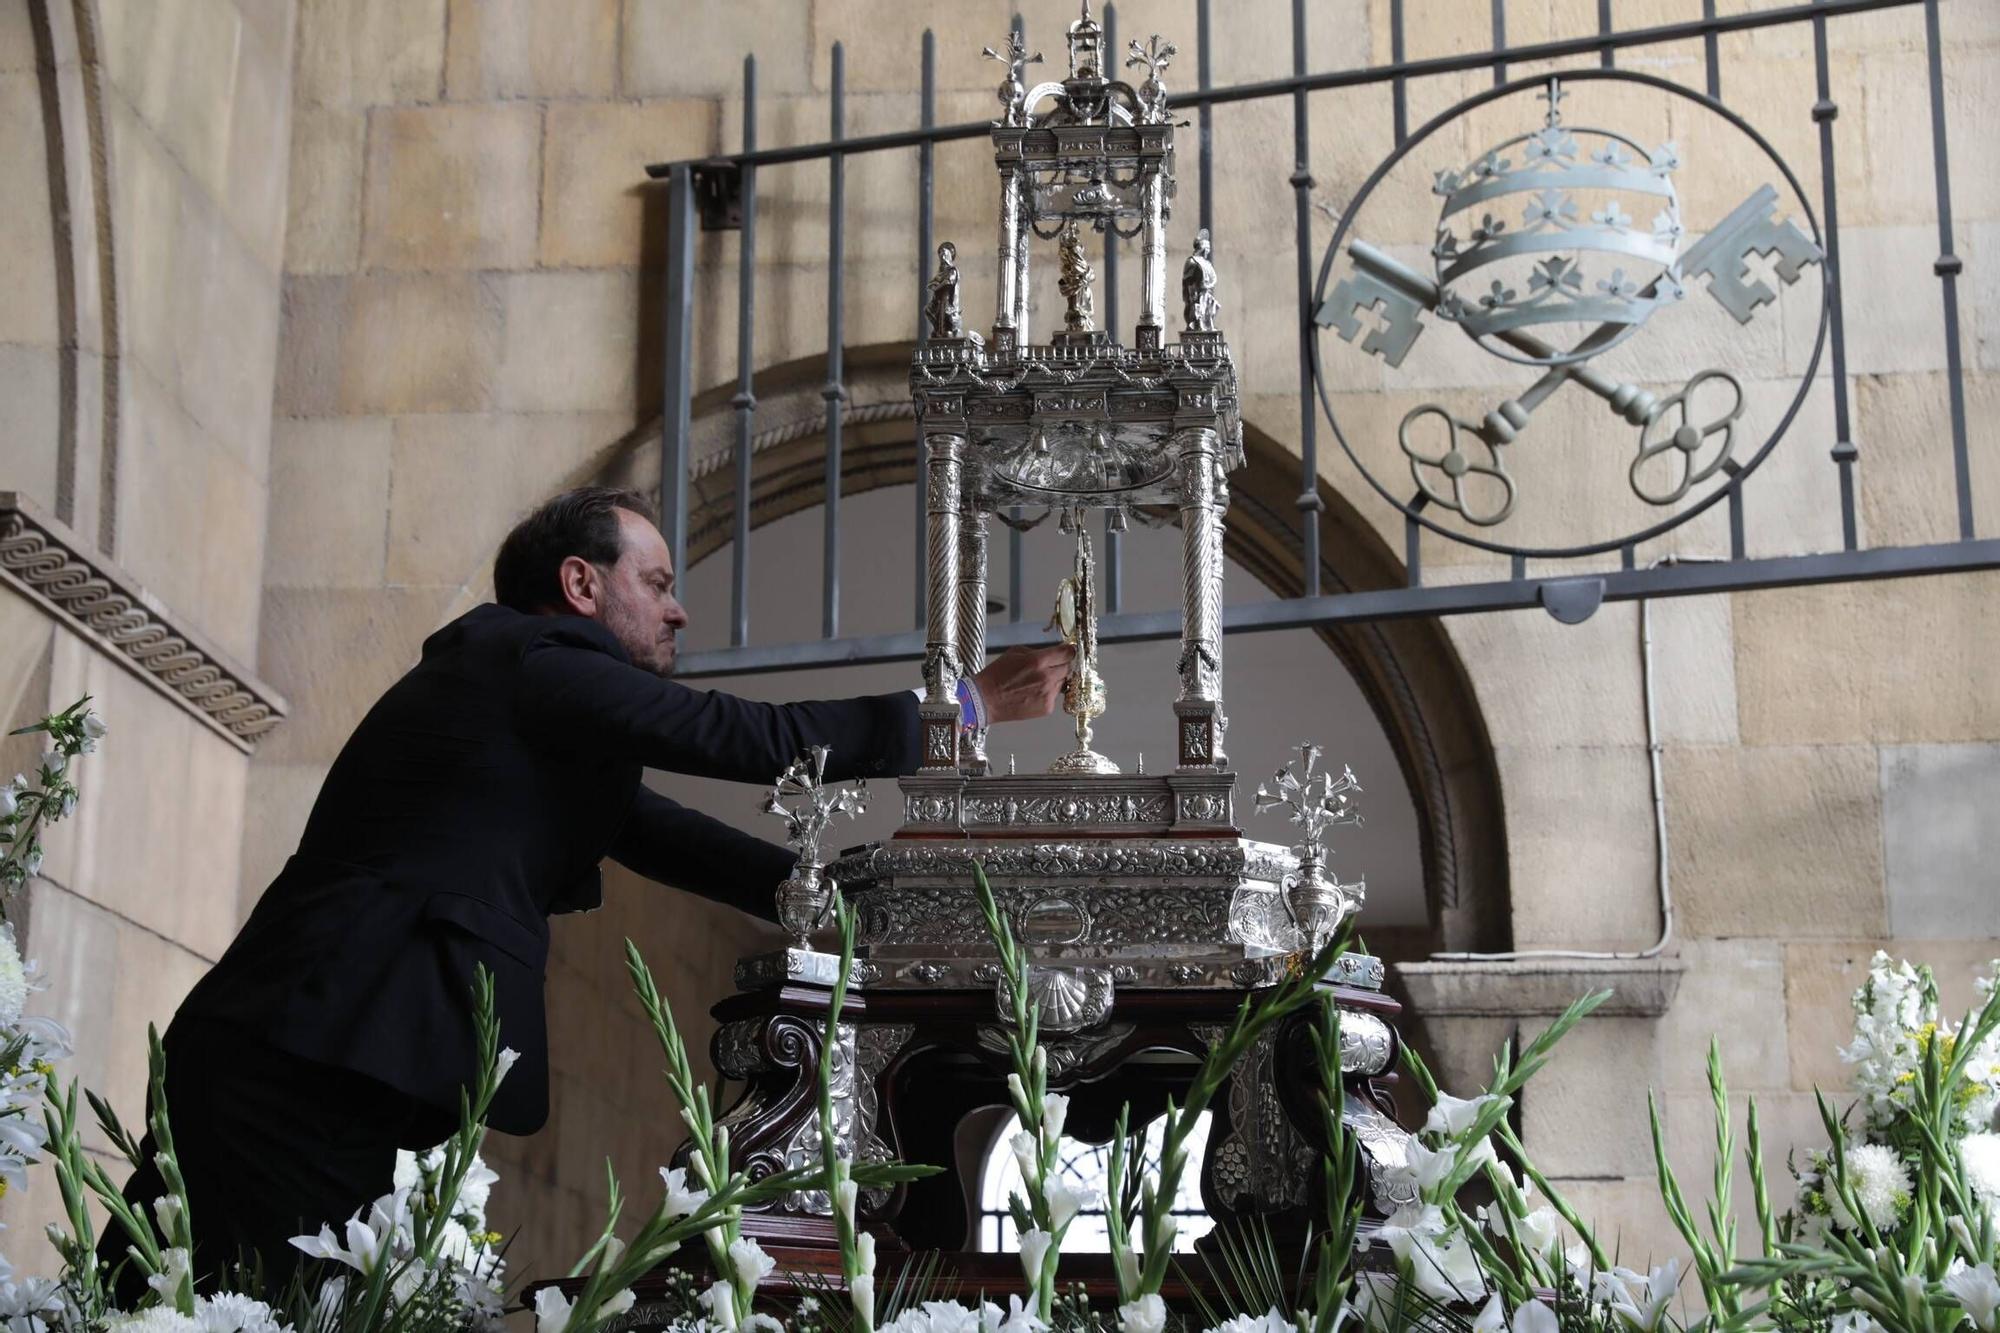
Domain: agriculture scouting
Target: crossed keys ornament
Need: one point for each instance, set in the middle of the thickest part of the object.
(1560, 229)
(807, 805)
(1315, 800)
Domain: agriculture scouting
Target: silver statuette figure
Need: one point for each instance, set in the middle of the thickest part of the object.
(1083, 693)
(1316, 801)
(1198, 301)
(807, 805)
(942, 309)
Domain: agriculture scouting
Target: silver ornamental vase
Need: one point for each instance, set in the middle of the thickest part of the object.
(805, 902)
(1315, 903)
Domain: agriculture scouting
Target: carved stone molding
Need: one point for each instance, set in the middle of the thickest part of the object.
(46, 562)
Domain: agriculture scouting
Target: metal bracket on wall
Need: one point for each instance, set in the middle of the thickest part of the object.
(1572, 601)
(718, 194)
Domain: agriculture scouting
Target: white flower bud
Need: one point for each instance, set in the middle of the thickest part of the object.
(93, 725)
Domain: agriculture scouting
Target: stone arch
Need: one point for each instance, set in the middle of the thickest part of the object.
(1407, 669)
(77, 155)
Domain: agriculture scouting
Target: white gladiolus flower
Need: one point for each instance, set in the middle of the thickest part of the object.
(475, 1189)
(845, 1196)
(1034, 1247)
(1017, 1094)
(1980, 1155)
(1881, 1184)
(1534, 1317)
(551, 1311)
(1441, 1262)
(1027, 1155)
(864, 1252)
(1055, 1113)
(861, 1294)
(1492, 1318)
(504, 1062)
(167, 1211)
(407, 1175)
(1019, 1318)
(951, 1317)
(1127, 1261)
(1423, 1168)
(681, 1201)
(750, 1262)
(1640, 1301)
(1065, 1203)
(1540, 1230)
(1976, 1290)
(1854, 1321)
(1453, 1116)
(720, 1302)
(1148, 1314)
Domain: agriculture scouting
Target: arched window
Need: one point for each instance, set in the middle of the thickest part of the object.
(1086, 1168)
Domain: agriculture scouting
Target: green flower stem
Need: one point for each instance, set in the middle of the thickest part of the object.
(1030, 1086)
(837, 1167)
(1252, 1021)
(709, 1148)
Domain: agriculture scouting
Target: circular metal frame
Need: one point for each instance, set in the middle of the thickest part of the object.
(1445, 117)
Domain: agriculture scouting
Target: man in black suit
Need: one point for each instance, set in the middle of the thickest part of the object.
(475, 801)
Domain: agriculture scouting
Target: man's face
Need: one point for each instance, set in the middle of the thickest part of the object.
(637, 603)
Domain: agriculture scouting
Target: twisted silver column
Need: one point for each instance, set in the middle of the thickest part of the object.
(1153, 266)
(971, 627)
(938, 714)
(1012, 244)
(1198, 711)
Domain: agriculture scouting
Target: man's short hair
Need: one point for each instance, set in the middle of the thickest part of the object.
(580, 522)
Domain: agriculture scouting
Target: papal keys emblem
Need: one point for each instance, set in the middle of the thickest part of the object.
(1552, 248)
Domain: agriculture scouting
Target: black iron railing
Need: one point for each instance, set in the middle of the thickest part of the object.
(722, 193)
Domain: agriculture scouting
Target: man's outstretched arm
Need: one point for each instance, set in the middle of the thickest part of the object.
(665, 841)
(577, 693)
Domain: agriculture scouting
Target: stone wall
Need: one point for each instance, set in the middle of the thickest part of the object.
(450, 275)
(146, 150)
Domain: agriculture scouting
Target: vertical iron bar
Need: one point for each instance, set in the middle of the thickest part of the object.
(678, 372)
(1736, 519)
(1604, 30)
(1845, 454)
(1711, 52)
(1947, 267)
(1399, 88)
(1205, 117)
(1013, 535)
(745, 401)
(1114, 540)
(1302, 185)
(1499, 41)
(1413, 552)
(926, 244)
(835, 392)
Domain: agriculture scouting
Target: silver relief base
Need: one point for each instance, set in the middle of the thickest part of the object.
(1084, 761)
(802, 966)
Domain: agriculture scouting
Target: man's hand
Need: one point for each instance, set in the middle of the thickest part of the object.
(1023, 683)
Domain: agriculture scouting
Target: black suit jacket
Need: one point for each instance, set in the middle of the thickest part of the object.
(475, 800)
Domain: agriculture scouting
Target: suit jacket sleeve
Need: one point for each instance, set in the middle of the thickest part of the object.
(578, 692)
(665, 841)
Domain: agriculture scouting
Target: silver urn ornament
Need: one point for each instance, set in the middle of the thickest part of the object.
(807, 805)
(1316, 801)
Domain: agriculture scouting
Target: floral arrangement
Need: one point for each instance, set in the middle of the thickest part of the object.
(1894, 1228)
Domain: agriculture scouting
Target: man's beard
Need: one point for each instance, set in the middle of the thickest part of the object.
(647, 651)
